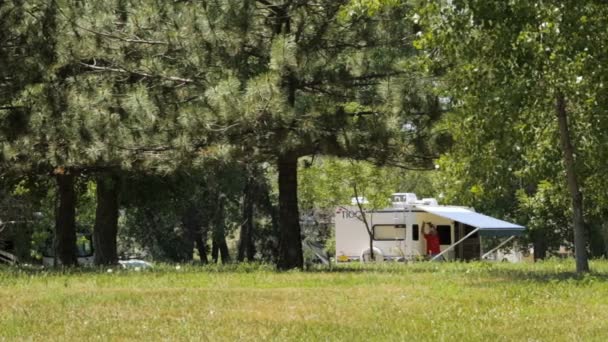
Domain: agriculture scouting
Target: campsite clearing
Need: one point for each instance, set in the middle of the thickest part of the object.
(424, 301)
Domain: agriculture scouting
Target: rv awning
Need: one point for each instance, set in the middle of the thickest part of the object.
(487, 225)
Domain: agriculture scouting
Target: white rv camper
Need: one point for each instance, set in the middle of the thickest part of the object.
(398, 235)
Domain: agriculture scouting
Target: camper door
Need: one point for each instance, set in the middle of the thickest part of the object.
(445, 229)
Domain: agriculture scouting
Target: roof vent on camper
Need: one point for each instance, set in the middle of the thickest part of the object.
(428, 201)
(400, 199)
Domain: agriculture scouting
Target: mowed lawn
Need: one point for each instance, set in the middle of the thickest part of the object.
(416, 302)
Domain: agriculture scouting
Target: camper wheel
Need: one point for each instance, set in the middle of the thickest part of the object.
(378, 256)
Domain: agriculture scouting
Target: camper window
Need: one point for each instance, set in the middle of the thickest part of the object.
(445, 234)
(389, 232)
(415, 232)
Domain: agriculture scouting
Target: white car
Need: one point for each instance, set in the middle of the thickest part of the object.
(135, 264)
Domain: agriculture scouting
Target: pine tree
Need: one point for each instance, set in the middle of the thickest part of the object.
(311, 77)
(74, 119)
(147, 85)
(284, 78)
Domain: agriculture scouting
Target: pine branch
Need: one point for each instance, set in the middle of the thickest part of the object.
(221, 129)
(127, 40)
(112, 36)
(140, 73)
(369, 112)
(313, 89)
(265, 3)
(147, 149)
(161, 149)
(9, 46)
(358, 80)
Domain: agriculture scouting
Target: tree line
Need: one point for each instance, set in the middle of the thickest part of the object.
(220, 104)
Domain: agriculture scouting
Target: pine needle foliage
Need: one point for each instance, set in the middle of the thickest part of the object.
(150, 84)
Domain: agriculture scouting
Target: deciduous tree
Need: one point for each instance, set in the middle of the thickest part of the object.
(531, 67)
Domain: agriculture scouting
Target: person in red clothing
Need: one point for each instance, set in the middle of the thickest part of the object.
(432, 239)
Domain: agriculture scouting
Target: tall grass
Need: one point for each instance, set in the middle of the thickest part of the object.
(418, 302)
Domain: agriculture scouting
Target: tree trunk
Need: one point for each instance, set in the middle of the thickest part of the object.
(106, 220)
(224, 253)
(290, 242)
(370, 232)
(250, 240)
(276, 230)
(539, 240)
(371, 248)
(219, 249)
(193, 225)
(270, 209)
(214, 251)
(580, 240)
(190, 225)
(65, 221)
(201, 246)
(188, 248)
(246, 246)
(219, 236)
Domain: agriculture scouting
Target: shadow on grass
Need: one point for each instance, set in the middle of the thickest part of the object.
(549, 271)
(548, 276)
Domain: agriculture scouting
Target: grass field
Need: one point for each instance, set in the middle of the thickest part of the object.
(425, 301)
